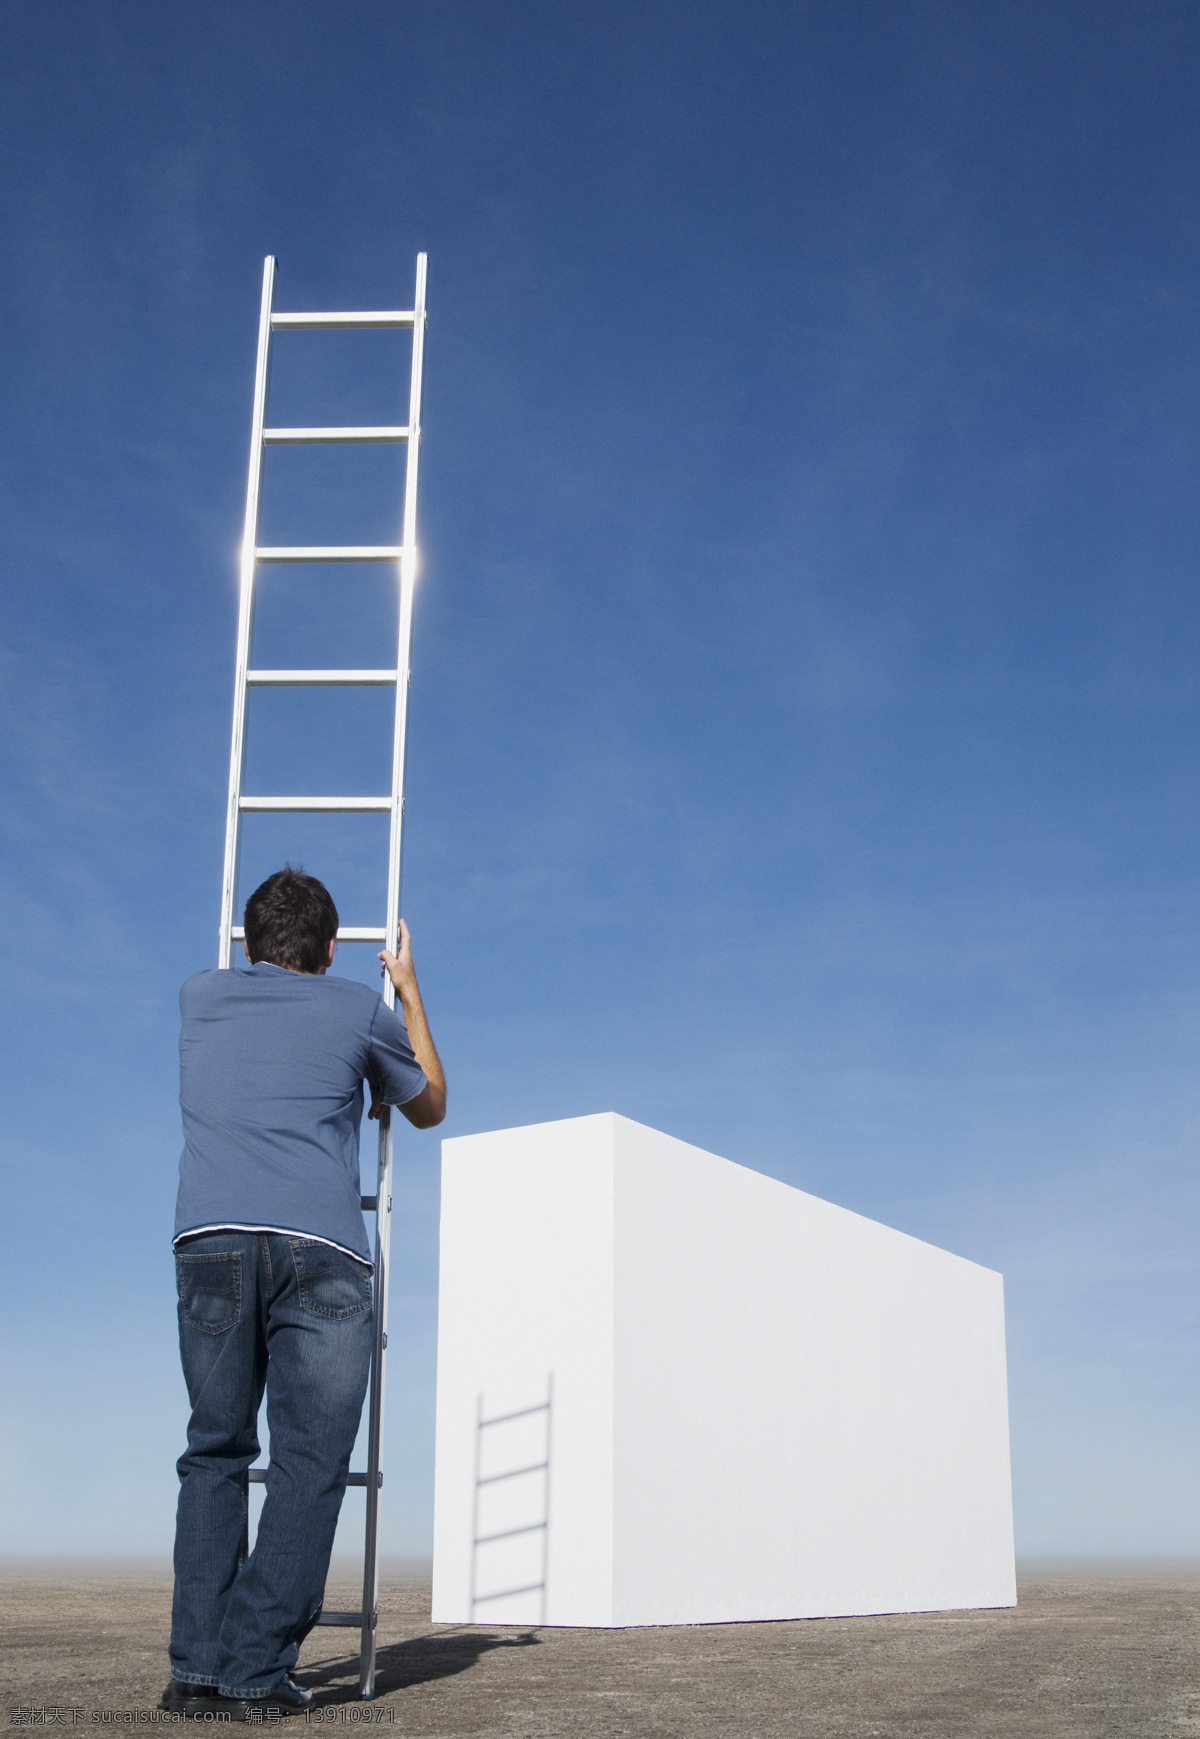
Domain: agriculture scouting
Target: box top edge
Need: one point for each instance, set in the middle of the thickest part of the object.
(593, 1117)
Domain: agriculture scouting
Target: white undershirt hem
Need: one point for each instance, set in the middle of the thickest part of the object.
(281, 1231)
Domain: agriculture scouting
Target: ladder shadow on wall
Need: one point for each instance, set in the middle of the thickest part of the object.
(510, 1531)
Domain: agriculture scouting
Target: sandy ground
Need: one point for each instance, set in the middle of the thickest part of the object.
(1092, 1650)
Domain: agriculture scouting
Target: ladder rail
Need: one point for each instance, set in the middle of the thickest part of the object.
(237, 752)
(383, 1212)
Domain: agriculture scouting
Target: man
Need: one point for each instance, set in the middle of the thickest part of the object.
(274, 1279)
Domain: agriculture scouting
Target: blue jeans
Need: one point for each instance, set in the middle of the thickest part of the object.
(262, 1310)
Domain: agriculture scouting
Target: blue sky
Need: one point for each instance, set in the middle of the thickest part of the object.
(804, 711)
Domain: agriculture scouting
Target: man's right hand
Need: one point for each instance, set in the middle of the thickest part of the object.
(427, 1110)
(399, 966)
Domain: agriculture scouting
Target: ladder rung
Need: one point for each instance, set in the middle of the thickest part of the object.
(320, 678)
(349, 1618)
(258, 1476)
(310, 437)
(521, 1413)
(334, 552)
(347, 933)
(507, 1593)
(326, 322)
(510, 1533)
(314, 805)
(514, 1473)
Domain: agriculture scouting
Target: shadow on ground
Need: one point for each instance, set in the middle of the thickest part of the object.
(419, 1661)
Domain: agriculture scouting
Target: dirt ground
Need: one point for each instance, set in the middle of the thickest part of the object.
(1091, 1651)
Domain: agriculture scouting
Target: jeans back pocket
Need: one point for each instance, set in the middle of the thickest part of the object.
(331, 1284)
(210, 1289)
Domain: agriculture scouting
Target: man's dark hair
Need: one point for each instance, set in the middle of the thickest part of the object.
(290, 921)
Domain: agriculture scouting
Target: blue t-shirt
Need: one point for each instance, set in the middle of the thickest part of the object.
(271, 1070)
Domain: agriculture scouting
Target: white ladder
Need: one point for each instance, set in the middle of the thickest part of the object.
(404, 555)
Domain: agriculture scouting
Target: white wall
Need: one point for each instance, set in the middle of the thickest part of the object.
(810, 1409)
(762, 1406)
(525, 1302)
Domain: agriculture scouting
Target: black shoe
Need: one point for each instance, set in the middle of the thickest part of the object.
(283, 1699)
(183, 1699)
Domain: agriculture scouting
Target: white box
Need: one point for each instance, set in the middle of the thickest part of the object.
(674, 1391)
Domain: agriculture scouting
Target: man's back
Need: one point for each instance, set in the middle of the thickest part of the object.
(271, 1070)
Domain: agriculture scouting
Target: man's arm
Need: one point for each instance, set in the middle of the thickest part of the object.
(427, 1110)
